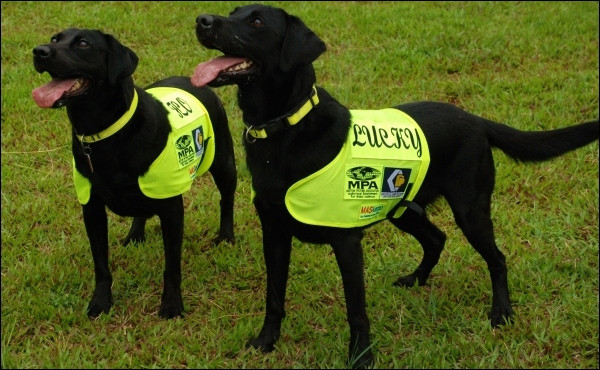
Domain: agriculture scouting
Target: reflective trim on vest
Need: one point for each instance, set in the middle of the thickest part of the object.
(189, 151)
(383, 161)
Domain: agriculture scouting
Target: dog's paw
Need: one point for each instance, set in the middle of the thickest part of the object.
(360, 355)
(171, 306)
(171, 310)
(408, 281)
(361, 359)
(134, 239)
(261, 344)
(267, 337)
(102, 301)
(94, 310)
(365, 361)
(500, 317)
(224, 238)
(136, 233)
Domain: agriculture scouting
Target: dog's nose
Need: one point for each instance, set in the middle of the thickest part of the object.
(42, 51)
(205, 20)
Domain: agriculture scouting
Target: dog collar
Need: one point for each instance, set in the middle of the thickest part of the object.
(115, 127)
(283, 122)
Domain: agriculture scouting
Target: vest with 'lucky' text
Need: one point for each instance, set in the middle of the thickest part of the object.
(189, 151)
(382, 163)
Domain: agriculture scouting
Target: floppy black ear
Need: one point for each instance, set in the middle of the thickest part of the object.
(301, 45)
(121, 61)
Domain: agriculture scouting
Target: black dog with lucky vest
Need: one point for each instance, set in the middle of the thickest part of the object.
(295, 130)
(124, 146)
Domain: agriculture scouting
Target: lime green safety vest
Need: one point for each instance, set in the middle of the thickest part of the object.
(383, 162)
(189, 152)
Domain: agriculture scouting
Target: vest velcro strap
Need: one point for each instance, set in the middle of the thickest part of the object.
(408, 204)
(412, 206)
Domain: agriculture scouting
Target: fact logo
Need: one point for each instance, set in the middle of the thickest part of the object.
(395, 182)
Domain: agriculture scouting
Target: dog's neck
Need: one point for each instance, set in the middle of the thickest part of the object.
(283, 122)
(96, 113)
(115, 127)
(271, 100)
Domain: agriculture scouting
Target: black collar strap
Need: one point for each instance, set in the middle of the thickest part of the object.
(115, 127)
(283, 122)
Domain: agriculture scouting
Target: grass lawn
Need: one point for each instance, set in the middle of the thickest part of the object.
(532, 65)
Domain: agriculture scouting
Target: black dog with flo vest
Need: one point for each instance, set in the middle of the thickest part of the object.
(135, 151)
(296, 130)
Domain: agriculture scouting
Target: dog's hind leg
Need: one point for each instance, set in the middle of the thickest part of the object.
(171, 223)
(469, 198)
(432, 241)
(136, 232)
(225, 177)
(349, 256)
(478, 229)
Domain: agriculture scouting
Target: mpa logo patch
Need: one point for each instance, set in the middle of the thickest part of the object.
(188, 147)
(395, 181)
(362, 182)
(183, 142)
(363, 173)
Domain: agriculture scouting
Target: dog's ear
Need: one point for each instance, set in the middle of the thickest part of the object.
(301, 45)
(121, 61)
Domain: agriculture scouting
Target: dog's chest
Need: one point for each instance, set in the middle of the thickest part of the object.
(383, 162)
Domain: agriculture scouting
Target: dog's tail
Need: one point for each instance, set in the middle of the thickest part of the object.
(535, 146)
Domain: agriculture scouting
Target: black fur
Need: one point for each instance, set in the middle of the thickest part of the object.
(282, 50)
(105, 67)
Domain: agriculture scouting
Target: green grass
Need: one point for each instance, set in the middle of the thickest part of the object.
(533, 65)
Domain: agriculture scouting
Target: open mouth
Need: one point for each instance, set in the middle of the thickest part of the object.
(57, 92)
(224, 70)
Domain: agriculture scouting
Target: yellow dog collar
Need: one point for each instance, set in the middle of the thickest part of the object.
(115, 127)
(277, 124)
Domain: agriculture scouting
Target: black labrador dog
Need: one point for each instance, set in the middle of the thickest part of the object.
(295, 130)
(128, 156)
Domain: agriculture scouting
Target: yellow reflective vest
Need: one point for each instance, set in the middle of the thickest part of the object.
(189, 151)
(383, 162)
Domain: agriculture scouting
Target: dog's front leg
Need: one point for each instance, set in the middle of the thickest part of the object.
(171, 223)
(277, 245)
(349, 256)
(96, 225)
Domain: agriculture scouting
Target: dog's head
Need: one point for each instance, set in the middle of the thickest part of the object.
(79, 61)
(257, 40)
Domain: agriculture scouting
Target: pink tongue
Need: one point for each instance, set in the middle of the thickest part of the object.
(208, 71)
(45, 96)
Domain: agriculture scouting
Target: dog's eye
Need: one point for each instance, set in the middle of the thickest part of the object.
(83, 43)
(256, 22)
(54, 40)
